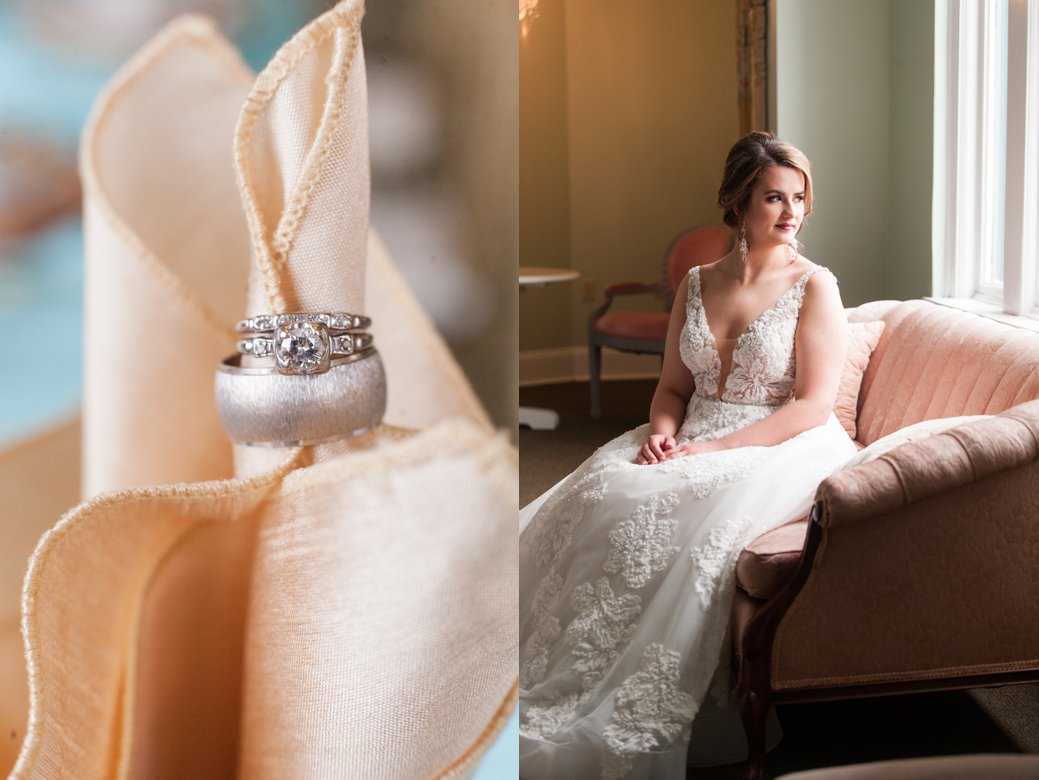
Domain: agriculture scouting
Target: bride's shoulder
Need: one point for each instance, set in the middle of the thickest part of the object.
(706, 270)
(818, 275)
(820, 285)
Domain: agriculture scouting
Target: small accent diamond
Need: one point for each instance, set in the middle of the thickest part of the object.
(345, 344)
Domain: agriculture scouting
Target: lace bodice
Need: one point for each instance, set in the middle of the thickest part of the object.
(762, 371)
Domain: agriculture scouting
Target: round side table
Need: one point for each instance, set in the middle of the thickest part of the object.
(534, 276)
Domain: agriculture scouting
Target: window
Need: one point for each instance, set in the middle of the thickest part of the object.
(986, 155)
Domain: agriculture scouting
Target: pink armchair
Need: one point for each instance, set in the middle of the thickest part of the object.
(644, 331)
(916, 571)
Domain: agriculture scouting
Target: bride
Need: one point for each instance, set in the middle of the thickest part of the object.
(628, 565)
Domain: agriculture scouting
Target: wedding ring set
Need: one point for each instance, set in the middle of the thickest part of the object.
(326, 381)
(303, 343)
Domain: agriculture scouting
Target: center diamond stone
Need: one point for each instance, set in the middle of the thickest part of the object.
(302, 348)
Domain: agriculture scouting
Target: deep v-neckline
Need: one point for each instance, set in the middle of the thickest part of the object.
(706, 325)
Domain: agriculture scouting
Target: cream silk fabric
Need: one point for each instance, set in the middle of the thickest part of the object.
(346, 610)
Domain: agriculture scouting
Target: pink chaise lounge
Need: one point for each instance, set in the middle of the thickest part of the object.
(918, 570)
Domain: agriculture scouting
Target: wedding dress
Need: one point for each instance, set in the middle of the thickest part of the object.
(628, 571)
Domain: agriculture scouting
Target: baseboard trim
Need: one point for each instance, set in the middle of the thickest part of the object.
(570, 364)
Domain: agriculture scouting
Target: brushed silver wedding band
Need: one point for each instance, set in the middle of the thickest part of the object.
(262, 406)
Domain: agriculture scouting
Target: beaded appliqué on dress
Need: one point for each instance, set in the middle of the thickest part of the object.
(641, 545)
(544, 632)
(603, 624)
(707, 419)
(544, 721)
(535, 652)
(553, 526)
(762, 369)
(650, 711)
(547, 594)
(709, 472)
(715, 561)
(696, 343)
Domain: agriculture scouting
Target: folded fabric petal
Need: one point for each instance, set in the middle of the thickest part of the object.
(301, 152)
(39, 479)
(389, 650)
(166, 261)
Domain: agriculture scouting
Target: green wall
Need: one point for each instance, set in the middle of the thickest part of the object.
(912, 144)
(854, 90)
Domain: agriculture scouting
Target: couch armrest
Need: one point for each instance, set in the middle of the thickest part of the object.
(923, 566)
(927, 467)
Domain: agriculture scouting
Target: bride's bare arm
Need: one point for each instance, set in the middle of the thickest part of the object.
(674, 389)
(820, 347)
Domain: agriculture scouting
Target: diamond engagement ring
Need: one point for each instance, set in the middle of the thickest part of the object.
(304, 347)
(301, 342)
(334, 321)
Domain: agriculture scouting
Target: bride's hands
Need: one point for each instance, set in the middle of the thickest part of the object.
(655, 449)
(659, 448)
(693, 448)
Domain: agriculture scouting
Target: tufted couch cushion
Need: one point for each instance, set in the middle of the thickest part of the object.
(862, 340)
(931, 362)
(934, 361)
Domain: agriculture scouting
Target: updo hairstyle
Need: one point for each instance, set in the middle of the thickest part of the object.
(747, 159)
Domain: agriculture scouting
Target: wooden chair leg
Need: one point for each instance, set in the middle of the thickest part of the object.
(594, 370)
(754, 711)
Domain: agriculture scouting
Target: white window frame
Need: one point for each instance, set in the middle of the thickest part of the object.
(986, 172)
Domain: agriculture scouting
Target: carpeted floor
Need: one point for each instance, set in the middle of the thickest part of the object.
(990, 720)
(548, 456)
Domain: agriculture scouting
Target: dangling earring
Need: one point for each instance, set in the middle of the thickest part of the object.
(743, 248)
(795, 247)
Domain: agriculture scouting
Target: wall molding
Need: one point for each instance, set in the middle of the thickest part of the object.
(570, 364)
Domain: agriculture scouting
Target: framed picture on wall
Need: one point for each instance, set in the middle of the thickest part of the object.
(755, 30)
